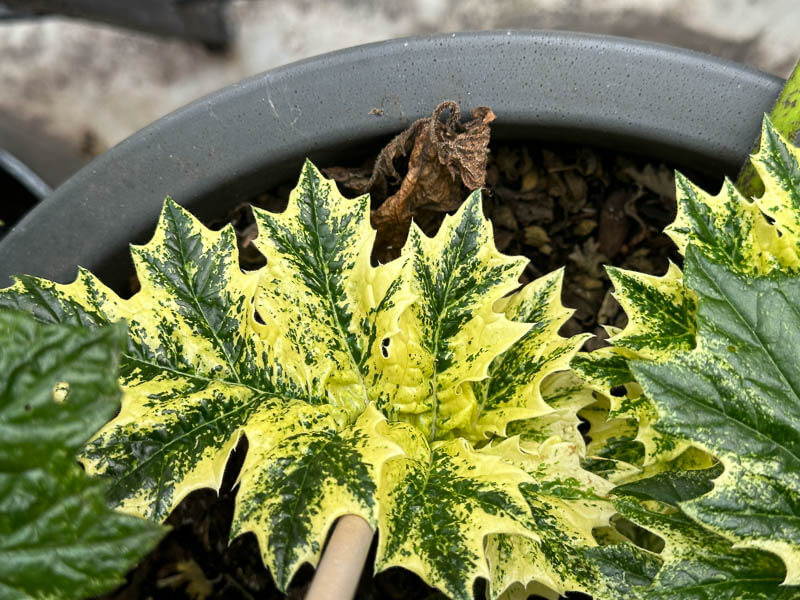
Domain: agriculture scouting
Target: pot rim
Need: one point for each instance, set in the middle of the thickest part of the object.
(673, 104)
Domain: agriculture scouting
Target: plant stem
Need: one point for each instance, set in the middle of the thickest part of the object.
(343, 560)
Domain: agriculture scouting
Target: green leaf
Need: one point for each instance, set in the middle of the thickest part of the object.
(57, 536)
(727, 389)
(698, 563)
(736, 396)
(672, 487)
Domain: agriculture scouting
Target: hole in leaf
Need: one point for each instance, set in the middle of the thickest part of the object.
(258, 318)
(60, 392)
(618, 391)
(27, 408)
(385, 347)
(638, 535)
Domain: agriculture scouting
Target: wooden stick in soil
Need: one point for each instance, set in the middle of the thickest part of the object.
(342, 561)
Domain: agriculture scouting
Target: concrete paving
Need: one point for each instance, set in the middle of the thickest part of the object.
(85, 86)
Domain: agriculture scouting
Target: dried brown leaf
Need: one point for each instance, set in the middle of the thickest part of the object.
(503, 216)
(658, 179)
(447, 160)
(613, 227)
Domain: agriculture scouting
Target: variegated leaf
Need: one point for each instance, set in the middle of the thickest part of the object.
(732, 230)
(778, 164)
(195, 371)
(512, 391)
(200, 370)
(192, 370)
(567, 504)
(309, 356)
(436, 508)
(603, 369)
(661, 313)
(565, 395)
(614, 572)
(661, 322)
(736, 396)
(624, 444)
(451, 333)
(292, 491)
(612, 451)
(326, 310)
(697, 563)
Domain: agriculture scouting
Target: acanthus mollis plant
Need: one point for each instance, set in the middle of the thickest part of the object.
(428, 396)
(710, 369)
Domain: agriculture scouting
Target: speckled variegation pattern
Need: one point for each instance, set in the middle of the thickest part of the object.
(512, 391)
(451, 333)
(697, 563)
(427, 395)
(736, 395)
(714, 355)
(661, 322)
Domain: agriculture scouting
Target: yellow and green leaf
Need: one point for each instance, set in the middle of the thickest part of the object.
(451, 333)
(733, 393)
(512, 390)
(200, 370)
(292, 491)
(736, 396)
(731, 229)
(565, 395)
(567, 504)
(697, 563)
(661, 321)
(436, 508)
(326, 310)
(660, 313)
(367, 390)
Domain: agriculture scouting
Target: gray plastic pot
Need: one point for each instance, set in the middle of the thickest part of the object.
(687, 108)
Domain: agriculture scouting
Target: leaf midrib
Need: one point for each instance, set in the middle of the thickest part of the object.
(193, 298)
(340, 331)
(196, 376)
(163, 450)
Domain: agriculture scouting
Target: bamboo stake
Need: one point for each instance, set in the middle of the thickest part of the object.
(343, 560)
